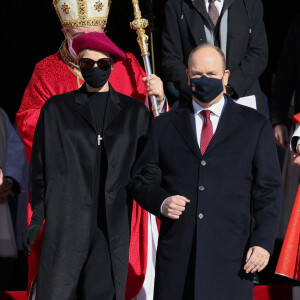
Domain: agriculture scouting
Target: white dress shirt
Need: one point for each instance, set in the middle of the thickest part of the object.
(218, 4)
(216, 112)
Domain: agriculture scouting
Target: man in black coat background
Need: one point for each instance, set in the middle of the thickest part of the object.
(239, 32)
(287, 84)
(209, 246)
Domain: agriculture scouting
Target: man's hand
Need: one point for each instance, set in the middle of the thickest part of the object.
(296, 157)
(281, 135)
(256, 260)
(1, 177)
(155, 87)
(174, 206)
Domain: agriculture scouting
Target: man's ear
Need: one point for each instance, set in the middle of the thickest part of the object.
(226, 77)
(188, 76)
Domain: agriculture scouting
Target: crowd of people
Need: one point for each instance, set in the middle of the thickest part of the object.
(124, 205)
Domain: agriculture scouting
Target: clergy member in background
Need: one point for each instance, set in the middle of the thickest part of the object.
(60, 73)
(289, 260)
(220, 172)
(84, 147)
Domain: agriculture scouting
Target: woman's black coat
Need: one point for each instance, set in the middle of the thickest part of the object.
(62, 168)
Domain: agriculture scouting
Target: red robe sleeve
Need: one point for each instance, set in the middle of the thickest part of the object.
(289, 259)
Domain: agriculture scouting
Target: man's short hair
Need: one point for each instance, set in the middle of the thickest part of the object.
(212, 47)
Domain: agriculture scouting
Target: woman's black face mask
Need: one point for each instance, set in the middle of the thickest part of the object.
(95, 77)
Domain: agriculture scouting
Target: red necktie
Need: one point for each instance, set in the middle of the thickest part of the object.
(207, 130)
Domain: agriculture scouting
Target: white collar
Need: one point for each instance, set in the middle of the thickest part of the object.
(216, 108)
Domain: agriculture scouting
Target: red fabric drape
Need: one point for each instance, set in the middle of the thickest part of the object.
(289, 260)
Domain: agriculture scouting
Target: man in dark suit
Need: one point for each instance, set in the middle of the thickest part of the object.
(235, 26)
(219, 198)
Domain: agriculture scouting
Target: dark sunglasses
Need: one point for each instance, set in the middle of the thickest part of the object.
(102, 63)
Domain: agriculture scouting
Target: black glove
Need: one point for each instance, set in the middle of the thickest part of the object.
(33, 229)
(151, 174)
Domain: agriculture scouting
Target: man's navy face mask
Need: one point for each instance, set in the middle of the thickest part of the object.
(206, 89)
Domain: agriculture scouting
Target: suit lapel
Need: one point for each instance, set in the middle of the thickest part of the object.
(195, 23)
(230, 121)
(183, 119)
(113, 108)
(227, 3)
(81, 98)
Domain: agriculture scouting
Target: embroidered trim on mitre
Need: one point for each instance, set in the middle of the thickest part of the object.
(82, 13)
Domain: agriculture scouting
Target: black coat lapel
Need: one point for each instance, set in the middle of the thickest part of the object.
(229, 122)
(182, 120)
(112, 110)
(81, 98)
(113, 107)
(195, 23)
(227, 3)
(200, 7)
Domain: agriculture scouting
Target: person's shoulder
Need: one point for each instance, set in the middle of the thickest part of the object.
(59, 100)
(166, 117)
(49, 61)
(174, 2)
(130, 59)
(130, 102)
(250, 115)
(131, 63)
(295, 22)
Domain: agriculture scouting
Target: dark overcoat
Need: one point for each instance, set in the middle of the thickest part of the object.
(246, 51)
(62, 168)
(236, 179)
(287, 79)
(3, 140)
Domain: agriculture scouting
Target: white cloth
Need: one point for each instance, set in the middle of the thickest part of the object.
(249, 101)
(216, 112)
(147, 290)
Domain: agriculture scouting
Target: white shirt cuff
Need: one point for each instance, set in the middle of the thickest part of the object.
(162, 207)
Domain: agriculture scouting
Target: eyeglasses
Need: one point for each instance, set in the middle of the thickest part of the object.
(102, 63)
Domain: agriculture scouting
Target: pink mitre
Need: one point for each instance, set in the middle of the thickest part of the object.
(99, 42)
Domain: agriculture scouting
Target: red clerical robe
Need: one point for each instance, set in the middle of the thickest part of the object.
(57, 74)
(289, 260)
